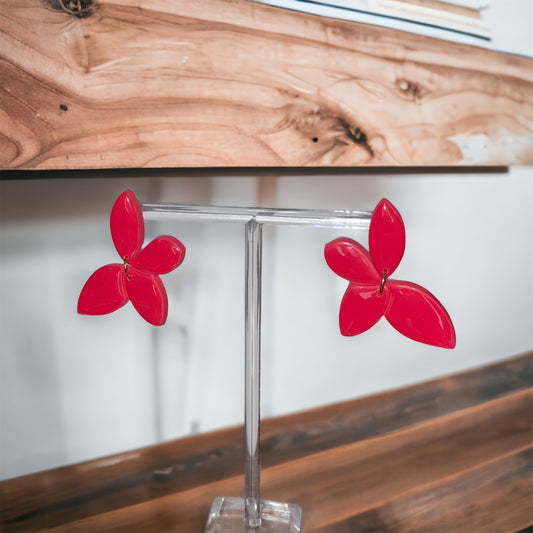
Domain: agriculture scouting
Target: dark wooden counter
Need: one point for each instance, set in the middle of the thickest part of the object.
(450, 455)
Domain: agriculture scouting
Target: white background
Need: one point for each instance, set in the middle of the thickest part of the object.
(74, 388)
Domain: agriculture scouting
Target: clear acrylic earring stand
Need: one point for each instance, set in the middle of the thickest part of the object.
(249, 513)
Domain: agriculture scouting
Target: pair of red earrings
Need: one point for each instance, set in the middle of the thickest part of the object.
(371, 294)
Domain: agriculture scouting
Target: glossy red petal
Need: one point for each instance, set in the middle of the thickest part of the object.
(104, 292)
(386, 238)
(127, 225)
(417, 314)
(361, 308)
(348, 259)
(162, 255)
(148, 296)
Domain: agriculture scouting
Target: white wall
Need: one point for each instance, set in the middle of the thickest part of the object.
(510, 24)
(75, 387)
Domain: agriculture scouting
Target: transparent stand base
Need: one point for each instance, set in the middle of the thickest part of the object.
(227, 516)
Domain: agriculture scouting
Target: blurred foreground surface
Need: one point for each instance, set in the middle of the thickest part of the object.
(453, 454)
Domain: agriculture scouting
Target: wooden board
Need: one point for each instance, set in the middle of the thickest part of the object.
(453, 454)
(158, 83)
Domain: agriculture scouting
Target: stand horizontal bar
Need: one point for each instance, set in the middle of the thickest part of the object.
(271, 216)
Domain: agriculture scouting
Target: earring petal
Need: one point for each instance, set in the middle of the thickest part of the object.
(127, 225)
(349, 260)
(148, 295)
(104, 292)
(160, 256)
(417, 314)
(361, 307)
(386, 238)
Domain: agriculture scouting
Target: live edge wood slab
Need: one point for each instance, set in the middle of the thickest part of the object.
(450, 455)
(159, 83)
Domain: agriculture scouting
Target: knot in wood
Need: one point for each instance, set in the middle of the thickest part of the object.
(78, 8)
(410, 89)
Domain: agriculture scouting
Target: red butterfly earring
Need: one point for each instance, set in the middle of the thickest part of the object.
(409, 308)
(137, 277)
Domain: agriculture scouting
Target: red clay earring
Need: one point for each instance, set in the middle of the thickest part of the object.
(371, 294)
(137, 277)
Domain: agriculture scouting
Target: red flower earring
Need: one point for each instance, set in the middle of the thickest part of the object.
(409, 308)
(137, 277)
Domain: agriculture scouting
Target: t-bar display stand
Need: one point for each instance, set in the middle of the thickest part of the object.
(250, 513)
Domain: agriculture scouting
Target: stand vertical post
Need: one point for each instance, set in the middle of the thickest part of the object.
(252, 386)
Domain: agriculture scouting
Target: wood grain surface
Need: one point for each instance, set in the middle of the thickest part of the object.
(218, 83)
(453, 454)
